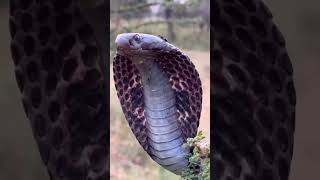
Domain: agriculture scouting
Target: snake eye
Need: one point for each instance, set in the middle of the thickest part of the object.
(137, 38)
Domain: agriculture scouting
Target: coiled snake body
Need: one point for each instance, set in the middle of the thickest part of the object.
(160, 93)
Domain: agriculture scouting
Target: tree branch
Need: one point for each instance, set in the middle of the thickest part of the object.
(177, 21)
(135, 8)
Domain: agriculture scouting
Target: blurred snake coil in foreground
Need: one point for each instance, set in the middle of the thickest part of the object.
(253, 111)
(59, 53)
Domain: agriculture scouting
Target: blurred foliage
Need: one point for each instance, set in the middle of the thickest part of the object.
(125, 8)
(199, 160)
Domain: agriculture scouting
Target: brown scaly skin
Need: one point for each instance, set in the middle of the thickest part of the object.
(253, 94)
(58, 66)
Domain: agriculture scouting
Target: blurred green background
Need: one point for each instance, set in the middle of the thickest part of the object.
(184, 24)
(298, 20)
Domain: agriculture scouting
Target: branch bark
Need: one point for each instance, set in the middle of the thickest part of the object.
(135, 8)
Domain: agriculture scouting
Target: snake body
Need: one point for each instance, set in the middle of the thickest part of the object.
(164, 133)
(160, 93)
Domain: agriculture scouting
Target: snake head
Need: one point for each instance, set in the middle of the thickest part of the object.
(138, 46)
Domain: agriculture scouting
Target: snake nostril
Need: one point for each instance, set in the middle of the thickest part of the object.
(130, 42)
(136, 37)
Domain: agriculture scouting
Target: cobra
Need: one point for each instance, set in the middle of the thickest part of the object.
(160, 93)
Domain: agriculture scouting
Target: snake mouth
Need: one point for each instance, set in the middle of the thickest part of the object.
(139, 55)
(127, 51)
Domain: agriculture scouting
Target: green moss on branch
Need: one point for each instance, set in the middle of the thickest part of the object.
(199, 160)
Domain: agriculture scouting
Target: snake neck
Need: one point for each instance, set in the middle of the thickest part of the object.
(164, 135)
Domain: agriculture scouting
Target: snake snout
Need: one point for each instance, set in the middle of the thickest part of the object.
(122, 42)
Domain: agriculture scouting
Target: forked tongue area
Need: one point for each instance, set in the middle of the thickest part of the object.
(164, 135)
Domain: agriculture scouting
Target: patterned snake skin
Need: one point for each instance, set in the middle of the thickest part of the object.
(58, 67)
(167, 65)
(253, 94)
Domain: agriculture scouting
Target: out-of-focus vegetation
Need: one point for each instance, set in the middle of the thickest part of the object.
(184, 24)
(199, 160)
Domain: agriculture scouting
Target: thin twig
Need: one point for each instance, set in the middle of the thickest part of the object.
(135, 8)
